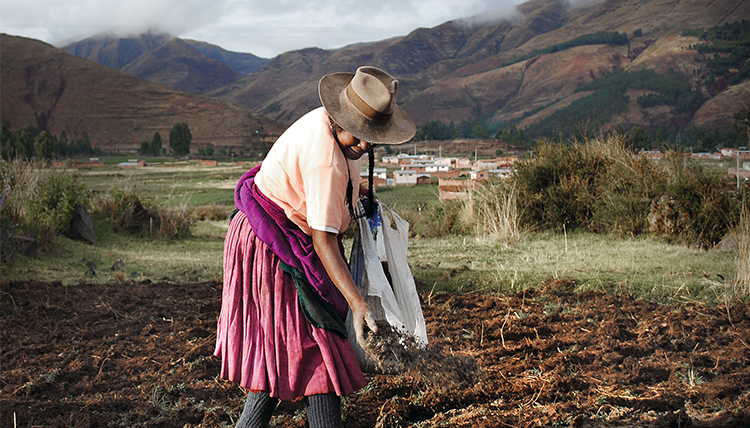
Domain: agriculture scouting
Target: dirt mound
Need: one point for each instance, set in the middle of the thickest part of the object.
(139, 355)
(394, 352)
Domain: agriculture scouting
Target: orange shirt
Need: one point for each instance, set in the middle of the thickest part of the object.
(306, 174)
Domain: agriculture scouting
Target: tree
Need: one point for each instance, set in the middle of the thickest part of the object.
(25, 142)
(180, 138)
(44, 145)
(7, 143)
(144, 148)
(638, 139)
(742, 122)
(478, 132)
(155, 148)
(61, 145)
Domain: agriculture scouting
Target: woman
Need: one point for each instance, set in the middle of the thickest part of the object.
(287, 287)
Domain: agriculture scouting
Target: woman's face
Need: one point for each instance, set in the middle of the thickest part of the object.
(352, 146)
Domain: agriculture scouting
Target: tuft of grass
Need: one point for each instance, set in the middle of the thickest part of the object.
(690, 376)
(159, 400)
(492, 210)
(742, 234)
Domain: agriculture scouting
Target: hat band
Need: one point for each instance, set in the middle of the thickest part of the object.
(364, 108)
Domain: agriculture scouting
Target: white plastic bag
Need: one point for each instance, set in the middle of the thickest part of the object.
(379, 252)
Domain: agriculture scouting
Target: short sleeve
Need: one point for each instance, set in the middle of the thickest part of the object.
(325, 191)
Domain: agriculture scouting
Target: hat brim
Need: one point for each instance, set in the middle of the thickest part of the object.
(398, 129)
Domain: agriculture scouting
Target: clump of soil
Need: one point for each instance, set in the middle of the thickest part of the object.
(394, 352)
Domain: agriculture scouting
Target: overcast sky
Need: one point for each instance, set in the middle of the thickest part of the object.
(262, 27)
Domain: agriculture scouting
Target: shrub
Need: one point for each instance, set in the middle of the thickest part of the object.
(38, 201)
(603, 186)
(437, 219)
(708, 205)
(128, 215)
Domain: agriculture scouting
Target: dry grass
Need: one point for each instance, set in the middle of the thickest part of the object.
(492, 210)
(742, 233)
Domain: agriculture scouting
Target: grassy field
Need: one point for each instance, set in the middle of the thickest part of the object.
(643, 266)
(175, 184)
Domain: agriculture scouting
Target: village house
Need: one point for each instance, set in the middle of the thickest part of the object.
(487, 164)
(92, 162)
(507, 161)
(479, 174)
(651, 154)
(732, 153)
(406, 177)
(451, 189)
(501, 172)
(379, 177)
(427, 167)
(706, 155)
(446, 161)
(132, 163)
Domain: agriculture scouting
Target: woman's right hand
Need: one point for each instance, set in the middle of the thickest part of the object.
(326, 246)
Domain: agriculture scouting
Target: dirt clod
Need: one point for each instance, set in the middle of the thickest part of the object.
(395, 352)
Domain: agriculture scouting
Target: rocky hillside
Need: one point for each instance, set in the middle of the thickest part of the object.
(522, 70)
(185, 65)
(53, 90)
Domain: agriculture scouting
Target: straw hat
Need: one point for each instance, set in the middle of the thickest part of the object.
(364, 103)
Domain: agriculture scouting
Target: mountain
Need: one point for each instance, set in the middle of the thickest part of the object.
(116, 52)
(243, 63)
(530, 70)
(179, 65)
(185, 65)
(56, 91)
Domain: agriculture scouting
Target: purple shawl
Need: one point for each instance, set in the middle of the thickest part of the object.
(286, 239)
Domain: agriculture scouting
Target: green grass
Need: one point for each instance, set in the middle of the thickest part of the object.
(644, 267)
(194, 259)
(409, 197)
(183, 184)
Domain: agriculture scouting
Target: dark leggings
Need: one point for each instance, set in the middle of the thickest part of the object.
(323, 410)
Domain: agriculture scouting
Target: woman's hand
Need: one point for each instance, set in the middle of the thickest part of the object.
(362, 316)
(327, 247)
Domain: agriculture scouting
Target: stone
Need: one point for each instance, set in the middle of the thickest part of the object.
(118, 265)
(81, 226)
(26, 246)
(6, 245)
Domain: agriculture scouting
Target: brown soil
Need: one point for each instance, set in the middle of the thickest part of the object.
(139, 354)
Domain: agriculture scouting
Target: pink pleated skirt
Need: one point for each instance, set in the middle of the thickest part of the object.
(263, 339)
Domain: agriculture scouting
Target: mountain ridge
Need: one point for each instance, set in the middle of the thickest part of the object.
(454, 72)
(525, 71)
(185, 65)
(56, 91)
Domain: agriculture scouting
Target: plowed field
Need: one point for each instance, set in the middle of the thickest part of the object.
(139, 354)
